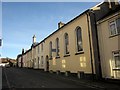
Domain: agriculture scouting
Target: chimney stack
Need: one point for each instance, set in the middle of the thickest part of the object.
(60, 24)
(34, 39)
(22, 51)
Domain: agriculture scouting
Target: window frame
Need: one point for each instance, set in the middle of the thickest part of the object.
(38, 62)
(57, 48)
(38, 49)
(111, 22)
(76, 43)
(41, 47)
(66, 45)
(42, 61)
(116, 54)
(50, 49)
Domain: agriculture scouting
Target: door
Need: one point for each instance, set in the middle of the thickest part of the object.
(47, 63)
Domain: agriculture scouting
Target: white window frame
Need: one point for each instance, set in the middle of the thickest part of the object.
(115, 23)
(116, 54)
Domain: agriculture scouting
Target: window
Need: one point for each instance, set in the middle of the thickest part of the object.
(116, 56)
(79, 39)
(118, 25)
(38, 62)
(115, 27)
(42, 47)
(57, 47)
(50, 49)
(66, 38)
(42, 61)
(38, 48)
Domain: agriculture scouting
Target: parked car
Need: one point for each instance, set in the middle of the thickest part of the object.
(7, 65)
(2, 65)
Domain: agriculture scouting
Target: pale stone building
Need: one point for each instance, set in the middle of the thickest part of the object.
(79, 46)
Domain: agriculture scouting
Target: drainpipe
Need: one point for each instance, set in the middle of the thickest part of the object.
(91, 58)
(99, 74)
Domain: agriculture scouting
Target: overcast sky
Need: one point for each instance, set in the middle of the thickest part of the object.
(21, 20)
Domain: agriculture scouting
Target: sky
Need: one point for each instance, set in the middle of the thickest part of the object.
(21, 20)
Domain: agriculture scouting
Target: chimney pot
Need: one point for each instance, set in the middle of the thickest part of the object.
(60, 24)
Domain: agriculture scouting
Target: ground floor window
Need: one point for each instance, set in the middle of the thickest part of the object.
(116, 56)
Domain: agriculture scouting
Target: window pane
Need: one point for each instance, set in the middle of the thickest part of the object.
(79, 40)
(112, 28)
(117, 61)
(50, 50)
(38, 49)
(118, 25)
(66, 43)
(42, 47)
(57, 47)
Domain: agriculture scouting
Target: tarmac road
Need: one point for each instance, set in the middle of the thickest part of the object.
(30, 78)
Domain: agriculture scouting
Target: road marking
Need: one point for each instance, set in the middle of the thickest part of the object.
(6, 79)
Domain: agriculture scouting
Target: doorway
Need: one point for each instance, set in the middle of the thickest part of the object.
(47, 63)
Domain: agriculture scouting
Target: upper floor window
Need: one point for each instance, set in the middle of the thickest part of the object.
(79, 39)
(116, 56)
(115, 27)
(38, 48)
(66, 38)
(50, 49)
(42, 47)
(57, 47)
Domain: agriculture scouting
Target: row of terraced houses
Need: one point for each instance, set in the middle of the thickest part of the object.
(88, 45)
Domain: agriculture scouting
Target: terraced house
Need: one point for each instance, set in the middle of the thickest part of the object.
(87, 45)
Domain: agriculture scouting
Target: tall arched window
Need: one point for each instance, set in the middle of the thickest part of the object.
(79, 39)
(50, 49)
(66, 38)
(57, 47)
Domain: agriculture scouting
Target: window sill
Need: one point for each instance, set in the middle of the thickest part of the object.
(113, 35)
(67, 55)
(57, 57)
(77, 53)
(116, 69)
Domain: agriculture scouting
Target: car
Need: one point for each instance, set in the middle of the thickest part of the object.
(7, 65)
(2, 65)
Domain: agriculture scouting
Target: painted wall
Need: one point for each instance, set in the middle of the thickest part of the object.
(73, 63)
(107, 46)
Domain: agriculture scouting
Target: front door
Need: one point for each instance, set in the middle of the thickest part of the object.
(47, 63)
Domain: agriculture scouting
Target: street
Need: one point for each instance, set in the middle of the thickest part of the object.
(30, 78)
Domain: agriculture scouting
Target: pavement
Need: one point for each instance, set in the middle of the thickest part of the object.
(30, 78)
